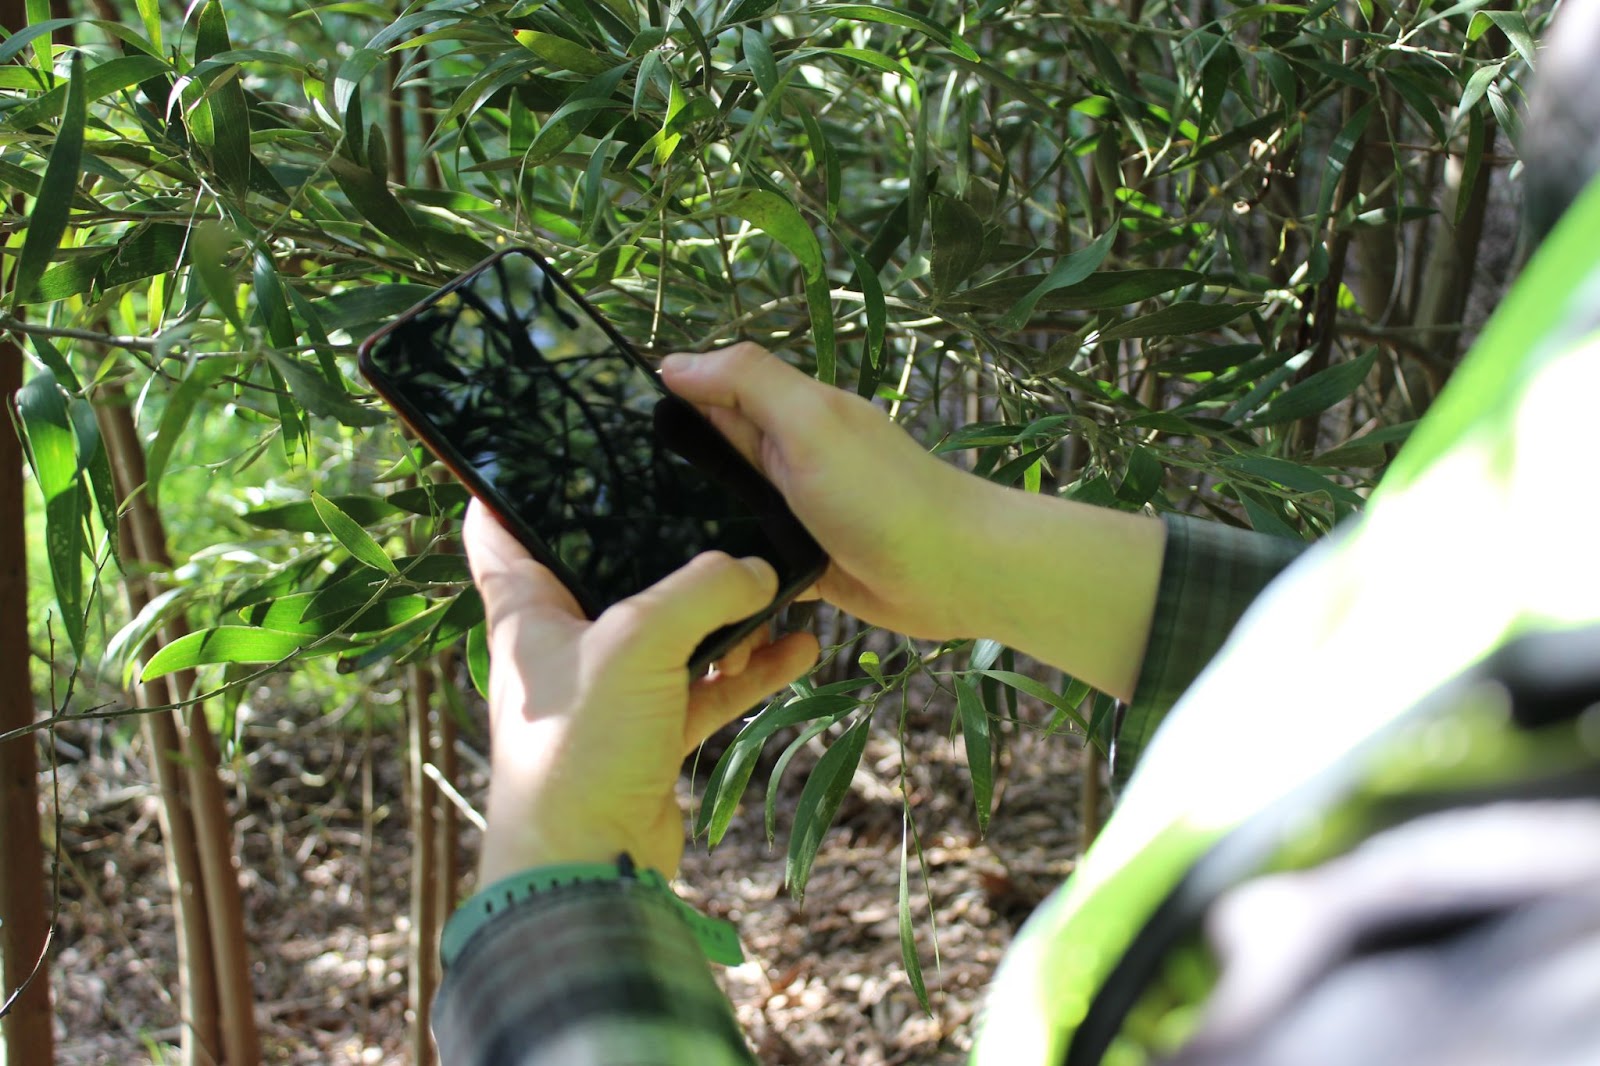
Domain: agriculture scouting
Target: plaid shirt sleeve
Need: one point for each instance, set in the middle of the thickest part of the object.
(590, 975)
(1210, 573)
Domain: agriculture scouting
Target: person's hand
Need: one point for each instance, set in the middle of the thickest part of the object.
(590, 721)
(900, 526)
(924, 548)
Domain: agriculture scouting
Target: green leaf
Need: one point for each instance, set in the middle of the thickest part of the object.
(568, 55)
(763, 65)
(349, 533)
(318, 397)
(211, 244)
(227, 644)
(732, 772)
(819, 304)
(1177, 319)
(781, 767)
(908, 937)
(1065, 704)
(303, 517)
(52, 454)
(113, 75)
(175, 416)
(776, 216)
(369, 194)
(892, 17)
(1071, 270)
(150, 15)
(1291, 475)
(574, 116)
(957, 242)
(1369, 449)
(1101, 291)
(287, 614)
(819, 803)
(1317, 393)
(478, 658)
(93, 461)
(980, 757)
(48, 221)
(228, 130)
(1142, 480)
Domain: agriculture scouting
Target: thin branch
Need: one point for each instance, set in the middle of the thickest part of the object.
(109, 340)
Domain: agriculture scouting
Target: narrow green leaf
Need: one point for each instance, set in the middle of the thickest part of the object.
(1291, 475)
(574, 116)
(93, 462)
(180, 405)
(893, 17)
(229, 128)
(565, 54)
(1099, 291)
(48, 222)
(776, 216)
(357, 541)
(1065, 704)
(908, 936)
(22, 38)
(52, 454)
(763, 65)
(1317, 393)
(1068, 272)
(318, 397)
(819, 304)
(732, 772)
(211, 245)
(303, 517)
(284, 615)
(980, 757)
(781, 767)
(478, 658)
(150, 15)
(957, 242)
(877, 313)
(1142, 479)
(1183, 317)
(369, 194)
(226, 644)
(819, 803)
(111, 76)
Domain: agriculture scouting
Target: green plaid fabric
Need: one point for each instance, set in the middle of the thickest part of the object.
(583, 976)
(1209, 575)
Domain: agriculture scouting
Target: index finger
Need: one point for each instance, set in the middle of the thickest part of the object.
(745, 378)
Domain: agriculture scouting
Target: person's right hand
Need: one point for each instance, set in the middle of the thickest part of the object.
(923, 548)
(901, 527)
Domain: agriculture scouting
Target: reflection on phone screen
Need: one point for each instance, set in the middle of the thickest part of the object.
(622, 481)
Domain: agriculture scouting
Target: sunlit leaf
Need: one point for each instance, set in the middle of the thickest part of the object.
(228, 644)
(357, 541)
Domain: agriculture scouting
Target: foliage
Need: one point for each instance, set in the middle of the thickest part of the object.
(1146, 255)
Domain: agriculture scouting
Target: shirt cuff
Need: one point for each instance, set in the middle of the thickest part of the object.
(1210, 573)
(582, 976)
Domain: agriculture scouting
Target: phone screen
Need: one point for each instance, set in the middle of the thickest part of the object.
(564, 430)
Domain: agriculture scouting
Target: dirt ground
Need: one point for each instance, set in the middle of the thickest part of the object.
(326, 901)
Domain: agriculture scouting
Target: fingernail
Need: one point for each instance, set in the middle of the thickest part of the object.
(761, 568)
(675, 362)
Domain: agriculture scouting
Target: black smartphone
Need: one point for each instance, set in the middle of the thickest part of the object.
(564, 430)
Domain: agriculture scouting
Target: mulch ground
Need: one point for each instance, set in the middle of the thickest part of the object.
(326, 896)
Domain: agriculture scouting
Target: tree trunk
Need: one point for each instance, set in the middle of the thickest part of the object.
(24, 928)
(220, 999)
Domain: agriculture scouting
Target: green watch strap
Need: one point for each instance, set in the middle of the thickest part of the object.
(718, 939)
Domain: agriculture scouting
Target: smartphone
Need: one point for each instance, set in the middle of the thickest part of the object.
(565, 431)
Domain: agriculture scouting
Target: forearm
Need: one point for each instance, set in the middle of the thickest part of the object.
(1069, 584)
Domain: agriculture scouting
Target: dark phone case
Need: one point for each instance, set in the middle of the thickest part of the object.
(802, 553)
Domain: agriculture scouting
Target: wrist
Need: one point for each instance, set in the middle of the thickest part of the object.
(1070, 584)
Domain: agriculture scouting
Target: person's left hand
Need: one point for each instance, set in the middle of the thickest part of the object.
(590, 721)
